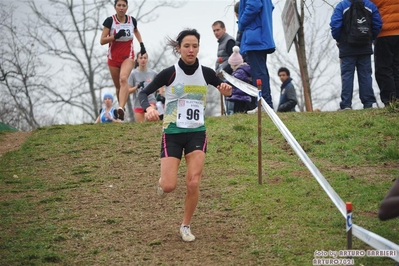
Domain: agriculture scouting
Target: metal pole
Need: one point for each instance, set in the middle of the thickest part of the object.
(349, 225)
(259, 84)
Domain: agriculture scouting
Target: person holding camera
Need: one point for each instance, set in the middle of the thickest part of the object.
(139, 78)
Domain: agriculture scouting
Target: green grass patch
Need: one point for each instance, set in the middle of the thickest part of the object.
(84, 194)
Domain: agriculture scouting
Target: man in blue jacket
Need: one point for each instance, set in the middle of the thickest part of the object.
(355, 56)
(256, 24)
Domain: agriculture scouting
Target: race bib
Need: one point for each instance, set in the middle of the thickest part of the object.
(190, 113)
(129, 32)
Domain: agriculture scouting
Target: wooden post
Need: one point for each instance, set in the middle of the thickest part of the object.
(259, 84)
(349, 225)
(303, 70)
(221, 105)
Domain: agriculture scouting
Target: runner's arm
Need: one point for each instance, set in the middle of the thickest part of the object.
(211, 78)
(162, 79)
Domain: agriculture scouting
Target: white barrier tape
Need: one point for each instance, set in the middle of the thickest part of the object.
(253, 91)
(339, 203)
(375, 241)
(368, 237)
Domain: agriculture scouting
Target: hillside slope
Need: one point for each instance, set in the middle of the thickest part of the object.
(85, 194)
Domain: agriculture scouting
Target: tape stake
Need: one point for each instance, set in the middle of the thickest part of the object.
(259, 85)
(349, 225)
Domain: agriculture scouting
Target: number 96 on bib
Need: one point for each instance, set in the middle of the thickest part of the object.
(190, 113)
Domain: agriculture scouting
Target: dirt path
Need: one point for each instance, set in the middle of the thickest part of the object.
(12, 141)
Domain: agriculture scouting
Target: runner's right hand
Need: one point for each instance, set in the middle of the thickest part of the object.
(120, 33)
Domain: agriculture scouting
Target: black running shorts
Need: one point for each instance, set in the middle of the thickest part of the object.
(173, 145)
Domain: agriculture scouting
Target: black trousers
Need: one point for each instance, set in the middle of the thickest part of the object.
(386, 58)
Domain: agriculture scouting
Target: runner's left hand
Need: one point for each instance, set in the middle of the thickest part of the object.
(142, 49)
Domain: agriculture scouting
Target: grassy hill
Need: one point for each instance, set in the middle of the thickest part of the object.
(85, 194)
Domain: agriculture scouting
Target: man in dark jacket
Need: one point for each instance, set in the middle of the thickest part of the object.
(288, 99)
(352, 56)
(225, 47)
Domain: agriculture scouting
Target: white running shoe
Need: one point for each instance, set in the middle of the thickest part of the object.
(160, 192)
(253, 111)
(185, 233)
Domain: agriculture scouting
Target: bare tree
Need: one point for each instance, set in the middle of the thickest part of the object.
(162, 57)
(23, 76)
(70, 35)
(322, 64)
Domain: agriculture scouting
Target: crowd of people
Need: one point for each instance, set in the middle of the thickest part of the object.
(130, 76)
(178, 94)
(254, 39)
(379, 25)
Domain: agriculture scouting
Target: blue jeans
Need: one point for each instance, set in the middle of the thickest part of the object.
(257, 61)
(362, 63)
(229, 107)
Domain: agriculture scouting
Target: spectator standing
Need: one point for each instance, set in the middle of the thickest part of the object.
(225, 47)
(288, 99)
(118, 33)
(239, 33)
(386, 51)
(256, 24)
(354, 56)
